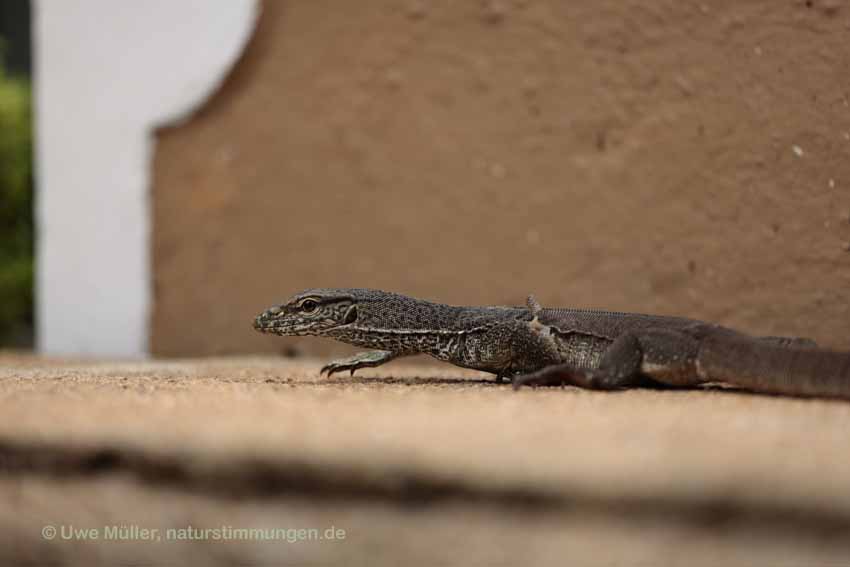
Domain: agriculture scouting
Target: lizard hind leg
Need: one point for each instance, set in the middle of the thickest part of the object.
(619, 368)
(665, 356)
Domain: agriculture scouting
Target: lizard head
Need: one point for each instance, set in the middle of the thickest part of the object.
(311, 312)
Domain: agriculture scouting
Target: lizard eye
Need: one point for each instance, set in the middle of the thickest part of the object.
(309, 306)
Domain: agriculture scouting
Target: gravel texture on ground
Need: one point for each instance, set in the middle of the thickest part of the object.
(414, 460)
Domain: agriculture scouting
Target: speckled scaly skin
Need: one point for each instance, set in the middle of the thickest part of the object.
(537, 346)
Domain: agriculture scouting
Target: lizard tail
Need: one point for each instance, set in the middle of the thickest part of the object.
(774, 368)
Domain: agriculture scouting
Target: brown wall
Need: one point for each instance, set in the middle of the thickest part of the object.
(634, 155)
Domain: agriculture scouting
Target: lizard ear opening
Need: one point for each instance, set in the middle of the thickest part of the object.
(350, 315)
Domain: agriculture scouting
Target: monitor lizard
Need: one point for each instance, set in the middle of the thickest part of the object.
(538, 346)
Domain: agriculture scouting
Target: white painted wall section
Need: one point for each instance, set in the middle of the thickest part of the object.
(107, 74)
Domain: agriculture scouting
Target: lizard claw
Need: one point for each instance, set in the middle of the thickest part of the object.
(334, 367)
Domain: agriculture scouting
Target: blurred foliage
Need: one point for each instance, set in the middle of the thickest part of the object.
(16, 217)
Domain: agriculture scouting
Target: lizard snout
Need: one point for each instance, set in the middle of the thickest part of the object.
(264, 320)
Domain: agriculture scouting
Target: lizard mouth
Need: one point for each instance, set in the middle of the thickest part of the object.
(266, 323)
(271, 328)
(271, 323)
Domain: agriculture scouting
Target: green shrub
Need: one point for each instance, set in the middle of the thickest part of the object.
(16, 217)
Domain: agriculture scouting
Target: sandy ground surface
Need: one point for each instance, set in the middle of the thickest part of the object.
(418, 461)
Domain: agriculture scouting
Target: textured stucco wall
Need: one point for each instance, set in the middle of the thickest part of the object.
(665, 156)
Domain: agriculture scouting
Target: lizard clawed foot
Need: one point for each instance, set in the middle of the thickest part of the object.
(369, 359)
(556, 375)
(334, 367)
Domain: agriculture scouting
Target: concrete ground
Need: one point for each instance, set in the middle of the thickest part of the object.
(413, 462)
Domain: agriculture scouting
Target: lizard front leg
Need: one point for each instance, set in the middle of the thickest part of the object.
(368, 359)
(661, 354)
